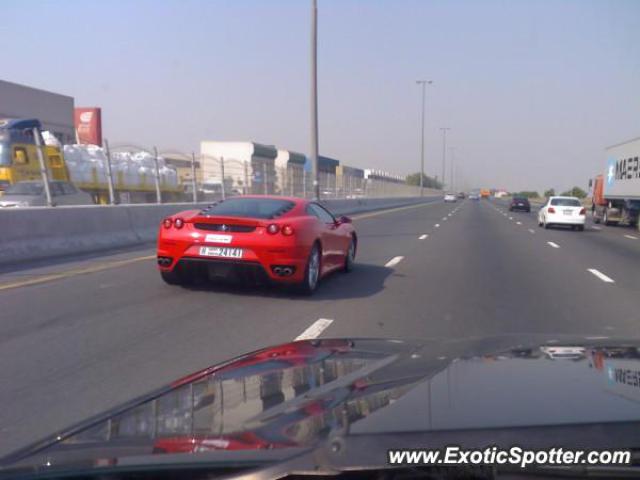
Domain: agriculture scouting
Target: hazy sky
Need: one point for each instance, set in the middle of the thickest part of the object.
(533, 90)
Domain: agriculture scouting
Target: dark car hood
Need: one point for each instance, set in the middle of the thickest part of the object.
(296, 395)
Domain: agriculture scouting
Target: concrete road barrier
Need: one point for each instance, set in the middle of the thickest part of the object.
(28, 234)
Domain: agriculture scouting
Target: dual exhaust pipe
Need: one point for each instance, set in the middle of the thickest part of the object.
(283, 271)
(165, 261)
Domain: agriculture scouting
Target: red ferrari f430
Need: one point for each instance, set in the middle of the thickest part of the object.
(257, 238)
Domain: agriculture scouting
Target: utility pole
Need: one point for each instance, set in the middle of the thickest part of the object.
(314, 99)
(424, 85)
(444, 154)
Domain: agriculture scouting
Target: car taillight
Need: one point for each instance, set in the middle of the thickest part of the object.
(551, 210)
(273, 228)
(167, 222)
(583, 211)
(287, 230)
(178, 223)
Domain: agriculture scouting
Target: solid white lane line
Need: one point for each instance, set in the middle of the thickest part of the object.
(596, 228)
(315, 329)
(631, 237)
(596, 337)
(394, 261)
(437, 225)
(554, 245)
(422, 237)
(531, 230)
(601, 275)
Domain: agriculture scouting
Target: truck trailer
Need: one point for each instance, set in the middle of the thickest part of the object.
(615, 194)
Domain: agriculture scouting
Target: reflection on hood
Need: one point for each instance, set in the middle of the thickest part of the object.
(296, 394)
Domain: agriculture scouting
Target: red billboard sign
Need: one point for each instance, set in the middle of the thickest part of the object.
(88, 122)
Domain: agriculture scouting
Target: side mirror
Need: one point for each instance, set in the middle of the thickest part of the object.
(344, 219)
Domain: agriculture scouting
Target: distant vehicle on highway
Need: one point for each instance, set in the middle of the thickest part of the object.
(485, 193)
(450, 197)
(567, 211)
(284, 240)
(32, 194)
(474, 196)
(462, 195)
(520, 203)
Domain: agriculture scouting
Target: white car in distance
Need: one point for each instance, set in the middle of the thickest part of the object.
(567, 211)
(450, 197)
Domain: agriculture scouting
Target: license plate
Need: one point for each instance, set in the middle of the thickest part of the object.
(568, 212)
(223, 252)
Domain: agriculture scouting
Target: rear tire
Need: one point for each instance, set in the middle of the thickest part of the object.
(605, 219)
(311, 272)
(181, 275)
(172, 278)
(350, 259)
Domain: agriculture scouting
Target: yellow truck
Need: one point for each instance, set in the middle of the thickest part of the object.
(19, 162)
(19, 154)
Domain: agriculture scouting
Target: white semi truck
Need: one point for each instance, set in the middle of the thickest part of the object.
(616, 192)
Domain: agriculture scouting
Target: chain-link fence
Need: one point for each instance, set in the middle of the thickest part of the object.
(129, 173)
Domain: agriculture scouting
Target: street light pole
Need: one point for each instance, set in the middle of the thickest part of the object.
(451, 161)
(424, 85)
(314, 99)
(444, 153)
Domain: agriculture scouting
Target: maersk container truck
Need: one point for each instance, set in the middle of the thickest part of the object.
(616, 193)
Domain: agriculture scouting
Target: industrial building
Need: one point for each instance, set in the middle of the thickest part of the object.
(290, 171)
(54, 111)
(248, 167)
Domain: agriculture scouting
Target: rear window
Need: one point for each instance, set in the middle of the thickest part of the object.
(520, 199)
(26, 188)
(250, 207)
(565, 202)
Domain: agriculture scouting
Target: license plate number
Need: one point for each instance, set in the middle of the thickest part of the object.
(568, 212)
(223, 252)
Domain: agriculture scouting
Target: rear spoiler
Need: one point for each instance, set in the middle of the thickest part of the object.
(200, 218)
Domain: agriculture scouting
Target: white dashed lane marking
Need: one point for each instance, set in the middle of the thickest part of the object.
(315, 329)
(554, 245)
(601, 275)
(422, 237)
(531, 230)
(393, 262)
(631, 237)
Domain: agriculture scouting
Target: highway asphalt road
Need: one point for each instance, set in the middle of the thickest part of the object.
(79, 337)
